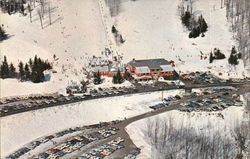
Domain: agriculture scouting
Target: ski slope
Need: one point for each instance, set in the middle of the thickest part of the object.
(153, 29)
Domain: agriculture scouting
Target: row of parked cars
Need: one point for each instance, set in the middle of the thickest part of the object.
(32, 145)
(111, 91)
(17, 104)
(76, 143)
(202, 78)
(23, 98)
(172, 99)
(104, 150)
(214, 103)
(133, 153)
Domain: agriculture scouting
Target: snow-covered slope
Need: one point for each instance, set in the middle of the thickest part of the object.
(152, 28)
(76, 34)
(82, 28)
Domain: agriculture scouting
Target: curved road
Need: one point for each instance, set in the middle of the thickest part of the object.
(128, 143)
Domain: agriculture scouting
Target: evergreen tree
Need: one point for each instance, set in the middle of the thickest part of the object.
(12, 71)
(118, 77)
(1, 71)
(211, 58)
(239, 55)
(30, 62)
(218, 54)
(5, 68)
(21, 70)
(233, 51)
(233, 59)
(97, 78)
(186, 19)
(114, 30)
(37, 74)
(202, 24)
(3, 34)
(127, 75)
(194, 33)
(27, 72)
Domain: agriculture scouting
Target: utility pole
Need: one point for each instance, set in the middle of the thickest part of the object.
(161, 94)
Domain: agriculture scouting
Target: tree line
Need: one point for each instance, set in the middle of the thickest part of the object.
(30, 71)
(196, 26)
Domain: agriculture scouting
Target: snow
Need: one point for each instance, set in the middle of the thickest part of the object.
(107, 82)
(171, 82)
(19, 129)
(76, 34)
(151, 29)
(207, 122)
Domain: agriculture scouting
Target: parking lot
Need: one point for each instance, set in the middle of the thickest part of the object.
(83, 139)
(20, 104)
(13, 105)
(214, 103)
(67, 141)
(104, 150)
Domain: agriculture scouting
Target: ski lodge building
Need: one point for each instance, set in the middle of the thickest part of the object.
(150, 69)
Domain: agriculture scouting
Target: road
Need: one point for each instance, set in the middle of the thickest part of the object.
(129, 145)
(144, 89)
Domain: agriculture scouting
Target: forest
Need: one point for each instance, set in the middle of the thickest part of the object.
(238, 14)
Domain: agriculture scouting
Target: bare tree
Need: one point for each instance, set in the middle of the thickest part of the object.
(40, 17)
(49, 9)
(30, 10)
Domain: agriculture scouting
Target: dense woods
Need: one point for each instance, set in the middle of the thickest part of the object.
(178, 142)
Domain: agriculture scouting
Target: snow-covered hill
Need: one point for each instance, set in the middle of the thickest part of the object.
(82, 28)
(154, 29)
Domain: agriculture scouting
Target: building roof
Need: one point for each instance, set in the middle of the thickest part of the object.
(100, 69)
(151, 63)
(142, 70)
(167, 68)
